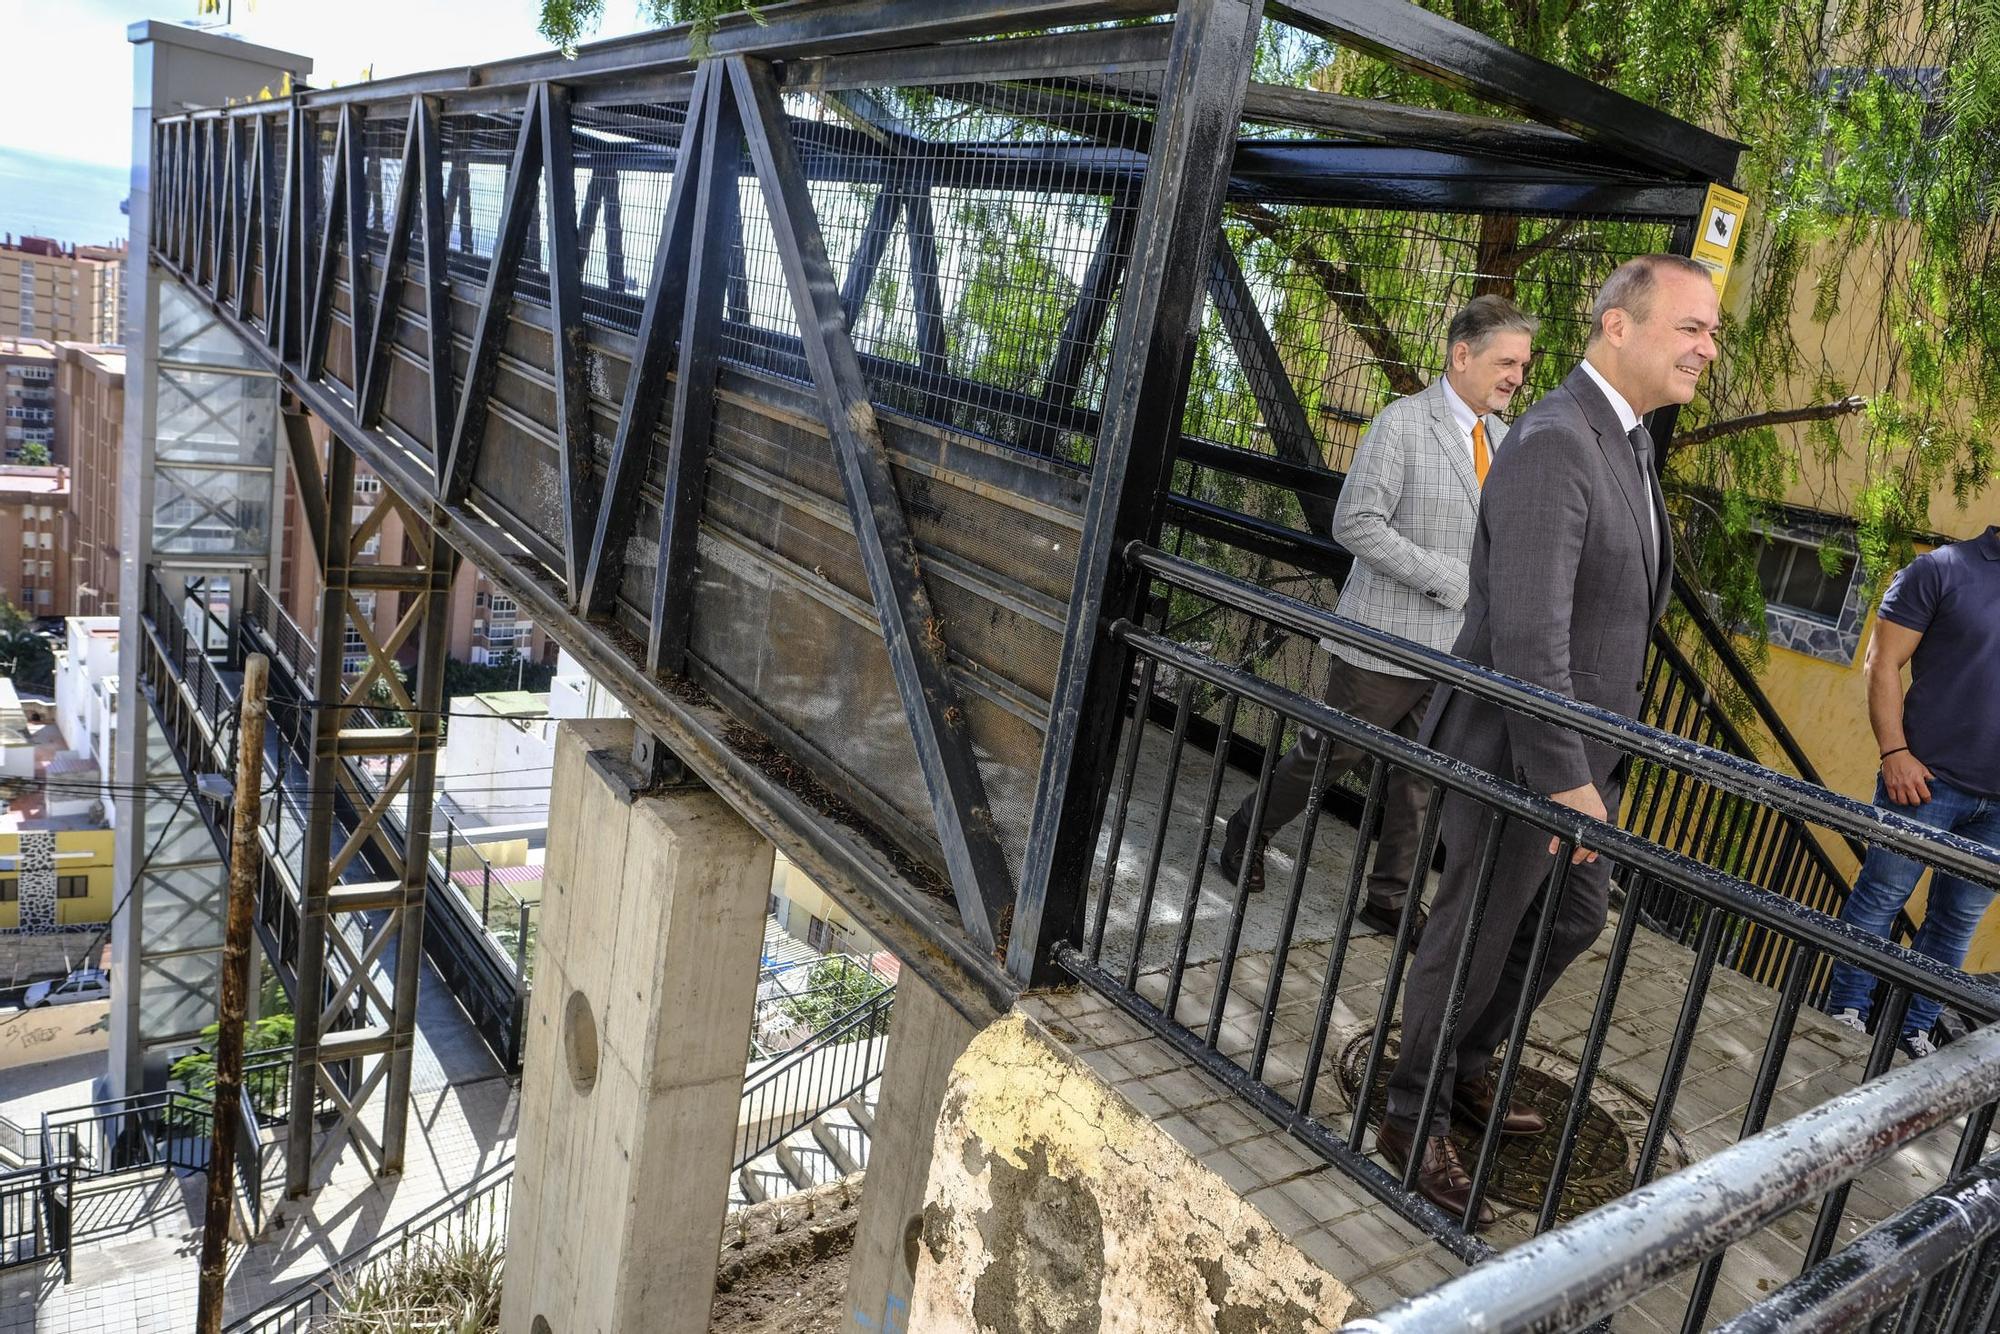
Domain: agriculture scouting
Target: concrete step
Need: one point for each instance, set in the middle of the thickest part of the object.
(840, 1135)
(764, 1178)
(862, 1107)
(807, 1163)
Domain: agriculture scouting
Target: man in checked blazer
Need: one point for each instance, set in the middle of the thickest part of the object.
(1571, 567)
(1406, 512)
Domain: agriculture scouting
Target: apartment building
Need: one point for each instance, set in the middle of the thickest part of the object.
(34, 538)
(90, 427)
(486, 625)
(58, 293)
(27, 386)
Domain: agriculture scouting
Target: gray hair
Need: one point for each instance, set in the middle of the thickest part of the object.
(1485, 316)
(1631, 286)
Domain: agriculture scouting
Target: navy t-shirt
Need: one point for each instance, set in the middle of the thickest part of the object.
(1951, 716)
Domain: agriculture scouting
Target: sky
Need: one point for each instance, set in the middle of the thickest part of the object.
(66, 91)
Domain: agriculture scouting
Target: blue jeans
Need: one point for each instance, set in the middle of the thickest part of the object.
(1886, 882)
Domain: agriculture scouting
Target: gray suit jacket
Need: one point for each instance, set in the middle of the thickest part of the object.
(1562, 593)
(1407, 511)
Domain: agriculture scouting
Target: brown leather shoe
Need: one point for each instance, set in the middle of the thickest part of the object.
(1473, 1100)
(1390, 920)
(1230, 857)
(1441, 1178)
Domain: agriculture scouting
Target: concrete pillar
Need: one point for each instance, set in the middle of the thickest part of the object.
(645, 980)
(926, 1036)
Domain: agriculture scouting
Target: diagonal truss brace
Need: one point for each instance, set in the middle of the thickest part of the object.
(917, 651)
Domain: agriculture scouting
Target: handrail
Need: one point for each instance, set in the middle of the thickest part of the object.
(867, 1018)
(1887, 961)
(1567, 1278)
(1741, 776)
(1885, 1265)
(311, 1295)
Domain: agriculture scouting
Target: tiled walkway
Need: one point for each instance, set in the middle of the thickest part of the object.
(140, 1278)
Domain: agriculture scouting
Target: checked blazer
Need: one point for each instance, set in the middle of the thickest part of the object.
(1408, 512)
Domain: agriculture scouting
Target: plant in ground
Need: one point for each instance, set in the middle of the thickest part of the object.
(450, 1285)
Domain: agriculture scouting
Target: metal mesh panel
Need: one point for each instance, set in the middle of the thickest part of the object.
(477, 151)
(626, 157)
(1356, 303)
(382, 168)
(965, 222)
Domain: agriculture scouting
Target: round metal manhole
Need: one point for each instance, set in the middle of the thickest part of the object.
(1607, 1143)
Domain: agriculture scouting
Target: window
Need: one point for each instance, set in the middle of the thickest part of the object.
(10, 889)
(503, 605)
(1794, 581)
(819, 934)
(72, 886)
(367, 484)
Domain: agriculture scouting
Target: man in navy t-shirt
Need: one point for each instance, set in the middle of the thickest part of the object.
(1940, 747)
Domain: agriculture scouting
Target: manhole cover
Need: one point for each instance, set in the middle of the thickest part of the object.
(1607, 1144)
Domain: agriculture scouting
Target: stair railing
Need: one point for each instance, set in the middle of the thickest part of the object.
(812, 1079)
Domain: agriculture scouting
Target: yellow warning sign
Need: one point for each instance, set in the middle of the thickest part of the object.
(1715, 244)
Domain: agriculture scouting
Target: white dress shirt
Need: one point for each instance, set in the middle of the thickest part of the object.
(1462, 413)
(1628, 419)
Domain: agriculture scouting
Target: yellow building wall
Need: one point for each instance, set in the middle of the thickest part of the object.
(1826, 706)
(86, 852)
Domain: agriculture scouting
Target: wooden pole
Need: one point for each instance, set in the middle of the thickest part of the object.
(243, 872)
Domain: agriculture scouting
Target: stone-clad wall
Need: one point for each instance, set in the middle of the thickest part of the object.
(36, 867)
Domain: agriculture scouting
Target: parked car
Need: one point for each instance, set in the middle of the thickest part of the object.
(85, 984)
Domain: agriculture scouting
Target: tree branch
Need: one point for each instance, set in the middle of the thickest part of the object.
(1816, 412)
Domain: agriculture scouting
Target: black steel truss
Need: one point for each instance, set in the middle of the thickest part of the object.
(482, 356)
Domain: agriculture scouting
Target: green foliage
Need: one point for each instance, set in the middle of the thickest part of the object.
(470, 678)
(25, 657)
(447, 1285)
(834, 987)
(35, 454)
(196, 1070)
(567, 23)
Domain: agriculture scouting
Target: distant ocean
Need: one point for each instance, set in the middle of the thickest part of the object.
(77, 203)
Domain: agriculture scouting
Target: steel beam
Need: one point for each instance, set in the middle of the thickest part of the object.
(1271, 385)
(917, 649)
(458, 459)
(1413, 38)
(1085, 322)
(437, 250)
(716, 222)
(570, 344)
(371, 358)
(1180, 214)
(319, 311)
(353, 165)
(646, 382)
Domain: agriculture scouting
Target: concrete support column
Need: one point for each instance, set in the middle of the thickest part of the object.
(645, 980)
(926, 1036)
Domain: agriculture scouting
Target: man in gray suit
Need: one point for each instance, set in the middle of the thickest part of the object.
(1570, 571)
(1406, 512)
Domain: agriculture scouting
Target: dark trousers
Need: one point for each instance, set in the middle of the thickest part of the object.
(1499, 970)
(1396, 703)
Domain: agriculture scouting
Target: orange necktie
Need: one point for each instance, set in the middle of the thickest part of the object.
(1482, 458)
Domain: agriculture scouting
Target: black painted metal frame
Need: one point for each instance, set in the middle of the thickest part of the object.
(241, 217)
(1156, 992)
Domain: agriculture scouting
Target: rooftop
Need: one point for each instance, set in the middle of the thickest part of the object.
(32, 349)
(20, 480)
(513, 703)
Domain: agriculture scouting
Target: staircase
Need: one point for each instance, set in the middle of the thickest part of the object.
(807, 1116)
(833, 1146)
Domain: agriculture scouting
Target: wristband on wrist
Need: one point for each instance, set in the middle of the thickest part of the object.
(1897, 751)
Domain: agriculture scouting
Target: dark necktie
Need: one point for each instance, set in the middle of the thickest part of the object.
(1642, 449)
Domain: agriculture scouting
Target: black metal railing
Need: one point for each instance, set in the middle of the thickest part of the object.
(143, 1131)
(1925, 1261)
(477, 1211)
(812, 1079)
(35, 1216)
(1194, 959)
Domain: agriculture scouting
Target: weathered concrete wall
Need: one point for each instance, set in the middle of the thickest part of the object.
(1054, 1207)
